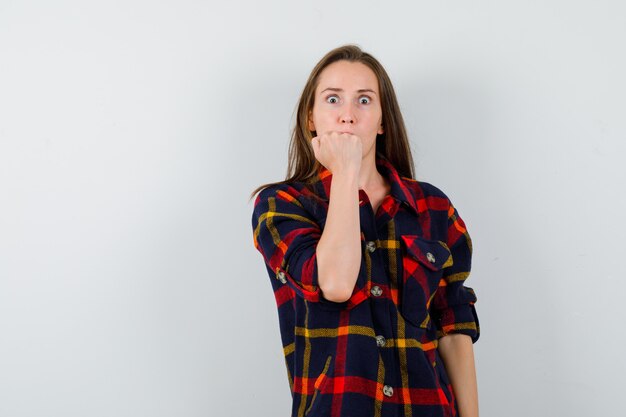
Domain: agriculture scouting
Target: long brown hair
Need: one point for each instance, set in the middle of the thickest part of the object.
(393, 144)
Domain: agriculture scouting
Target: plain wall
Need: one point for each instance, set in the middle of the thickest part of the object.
(132, 133)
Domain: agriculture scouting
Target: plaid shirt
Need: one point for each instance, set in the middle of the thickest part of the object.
(376, 353)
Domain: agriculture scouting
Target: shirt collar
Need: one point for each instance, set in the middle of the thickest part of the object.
(399, 189)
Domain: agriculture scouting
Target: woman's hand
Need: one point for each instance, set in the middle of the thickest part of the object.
(338, 152)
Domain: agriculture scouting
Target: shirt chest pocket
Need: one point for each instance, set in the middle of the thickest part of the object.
(423, 262)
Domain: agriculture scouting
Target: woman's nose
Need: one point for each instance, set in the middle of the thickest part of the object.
(347, 115)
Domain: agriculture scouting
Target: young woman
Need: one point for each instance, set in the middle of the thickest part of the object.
(367, 264)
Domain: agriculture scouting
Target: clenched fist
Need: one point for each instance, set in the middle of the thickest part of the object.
(338, 152)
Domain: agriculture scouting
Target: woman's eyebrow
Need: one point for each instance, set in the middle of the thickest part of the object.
(362, 90)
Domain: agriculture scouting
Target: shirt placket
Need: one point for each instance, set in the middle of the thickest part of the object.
(380, 299)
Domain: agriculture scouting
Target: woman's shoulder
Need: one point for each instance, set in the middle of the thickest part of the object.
(294, 189)
(301, 196)
(423, 189)
(271, 190)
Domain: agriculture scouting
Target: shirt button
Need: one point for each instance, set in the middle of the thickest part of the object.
(376, 291)
(280, 275)
(387, 390)
(380, 341)
(430, 257)
(371, 246)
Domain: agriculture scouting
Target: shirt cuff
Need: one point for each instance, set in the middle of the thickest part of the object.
(460, 318)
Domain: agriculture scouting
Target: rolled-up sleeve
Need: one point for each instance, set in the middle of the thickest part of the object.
(287, 237)
(453, 304)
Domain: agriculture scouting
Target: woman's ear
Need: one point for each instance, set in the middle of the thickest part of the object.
(310, 124)
(381, 130)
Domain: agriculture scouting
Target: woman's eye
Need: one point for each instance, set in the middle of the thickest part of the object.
(334, 99)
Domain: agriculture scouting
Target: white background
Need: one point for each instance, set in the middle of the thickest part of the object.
(132, 133)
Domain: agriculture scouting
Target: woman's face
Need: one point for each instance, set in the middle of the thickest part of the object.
(347, 100)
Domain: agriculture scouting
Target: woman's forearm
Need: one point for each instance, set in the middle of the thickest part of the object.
(457, 353)
(339, 248)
